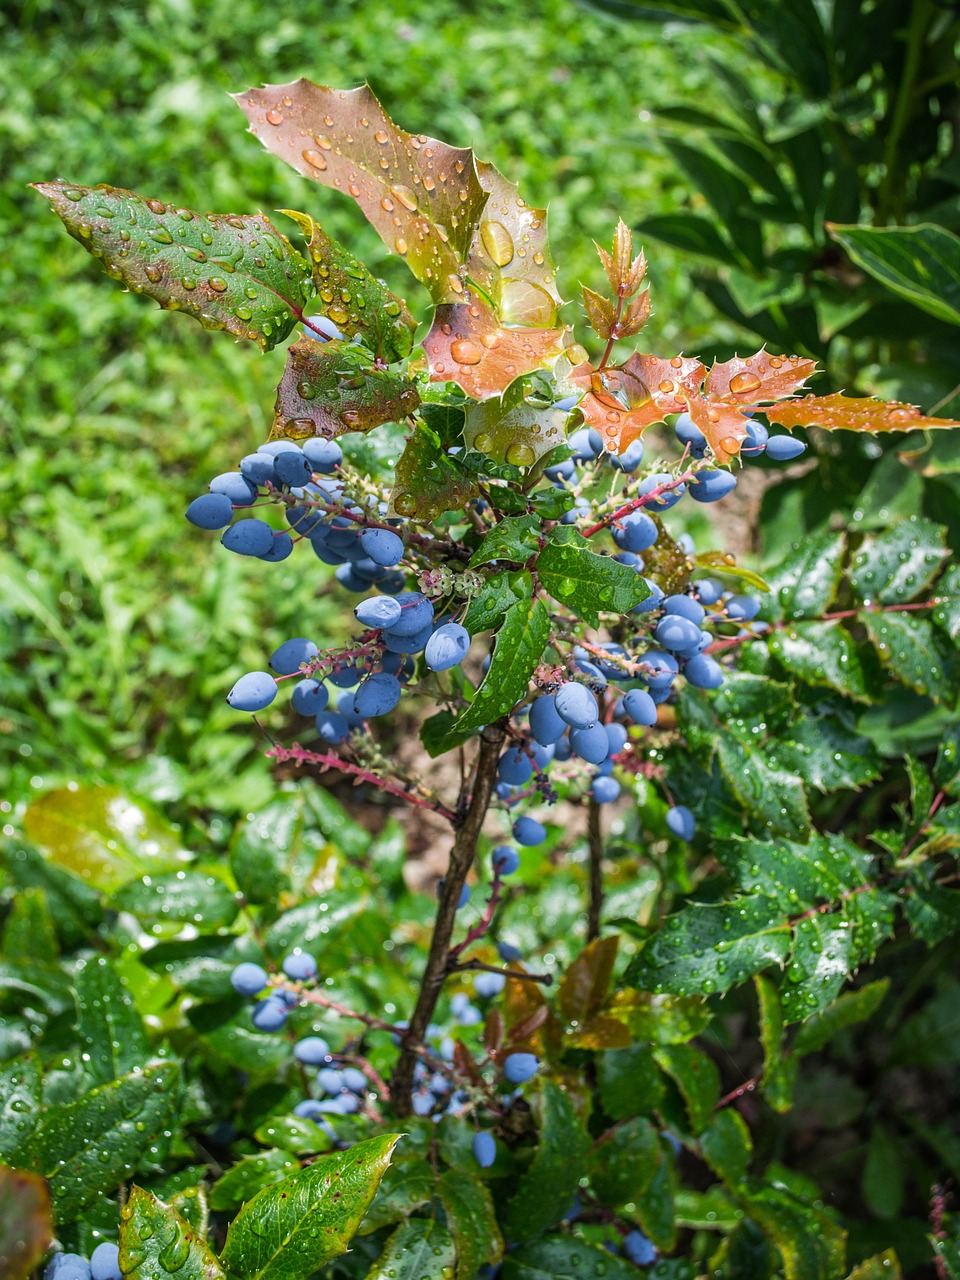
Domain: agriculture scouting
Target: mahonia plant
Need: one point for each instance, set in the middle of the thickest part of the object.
(523, 599)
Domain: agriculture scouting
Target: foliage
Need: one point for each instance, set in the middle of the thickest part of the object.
(130, 1054)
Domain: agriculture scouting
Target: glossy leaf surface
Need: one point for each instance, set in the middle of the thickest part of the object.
(155, 1240)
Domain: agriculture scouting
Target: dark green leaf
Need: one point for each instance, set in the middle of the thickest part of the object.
(920, 263)
(229, 271)
(712, 948)
(438, 735)
(405, 1186)
(585, 582)
(805, 583)
(947, 614)
(910, 648)
(819, 965)
(87, 1147)
(822, 653)
(296, 1134)
(882, 1181)
(29, 933)
(352, 299)
(428, 481)
(883, 1266)
(250, 1175)
(656, 1207)
(518, 434)
(564, 1258)
(26, 1224)
(931, 1038)
(933, 912)
(727, 1147)
(112, 1037)
(623, 1161)
(798, 875)
(188, 897)
(691, 233)
(290, 1229)
(629, 1081)
(896, 565)
(545, 1191)
(494, 598)
(518, 648)
(515, 538)
(226, 1030)
(811, 1243)
(472, 1221)
(422, 1249)
(75, 906)
(695, 1076)
(779, 1072)
(846, 1011)
(827, 755)
(772, 794)
(20, 1090)
(156, 1240)
(201, 966)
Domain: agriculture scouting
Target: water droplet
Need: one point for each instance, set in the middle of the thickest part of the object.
(519, 454)
(400, 245)
(217, 284)
(497, 241)
(381, 137)
(155, 274)
(483, 442)
(314, 158)
(161, 235)
(406, 197)
(744, 382)
(274, 118)
(465, 352)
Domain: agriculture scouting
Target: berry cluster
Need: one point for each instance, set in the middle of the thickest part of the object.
(103, 1264)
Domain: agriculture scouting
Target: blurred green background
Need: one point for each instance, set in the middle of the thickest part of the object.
(121, 627)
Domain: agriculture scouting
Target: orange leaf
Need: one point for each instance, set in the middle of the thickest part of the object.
(850, 413)
(600, 312)
(724, 425)
(468, 345)
(423, 197)
(585, 983)
(26, 1224)
(635, 316)
(748, 380)
(622, 401)
(329, 388)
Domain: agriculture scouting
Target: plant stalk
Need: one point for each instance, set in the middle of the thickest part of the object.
(595, 843)
(441, 957)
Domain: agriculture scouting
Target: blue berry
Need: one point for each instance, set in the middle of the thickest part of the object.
(253, 692)
(332, 728)
(520, 1067)
(711, 486)
(515, 767)
(309, 697)
(586, 445)
(675, 632)
(275, 447)
(320, 329)
(210, 511)
(488, 985)
(640, 707)
(447, 647)
(235, 486)
(590, 744)
(508, 953)
(684, 607)
(688, 433)
(681, 822)
(270, 1014)
(669, 498)
(292, 469)
(249, 979)
(703, 672)
(505, 860)
(546, 723)
(382, 546)
(576, 705)
(527, 831)
(323, 455)
(635, 532)
(604, 790)
(395, 643)
(653, 600)
(464, 892)
(258, 468)
(784, 448)
(377, 696)
(378, 611)
(616, 738)
(354, 1080)
(756, 439)
(743, 608)
(708, 590)
(630, 459)
(105, 1262)
(300, 966)
(249, 537)
(291, 655)
(281, 548)
(330, 1080)
(661, 669)
(484, 1149)
(313, 1050)
(641, 1251)
(416, 614)
(62, 1261)
(422, 1101)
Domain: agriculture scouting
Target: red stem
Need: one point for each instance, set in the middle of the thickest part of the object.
(636, 503)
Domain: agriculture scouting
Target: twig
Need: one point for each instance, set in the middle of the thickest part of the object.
(595, 842)
(546, 979)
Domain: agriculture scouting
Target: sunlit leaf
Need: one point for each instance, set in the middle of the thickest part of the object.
(423, 197)
(621, 401)
(26, 1223)
(329, 388)
(229, 271)
(427, 481)
(920, 263)
(519, 434)
(469, 345)
(838, 412)
(156, 1240)
(751, 380)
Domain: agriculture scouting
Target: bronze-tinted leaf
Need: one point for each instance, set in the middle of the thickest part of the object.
(750, 380)
(624, 271)
(851, 413)
(601, 313)
(428, 481)
(724, 425)
(623, 400)
(468, 345)
(518, 435)
(26, 1224)
(585, 983)
(635, 317)
(349, 296)
(329, 388)
(423, 197)
(228, 271)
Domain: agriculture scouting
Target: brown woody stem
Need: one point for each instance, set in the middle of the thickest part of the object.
(595, 843)
(441, 959)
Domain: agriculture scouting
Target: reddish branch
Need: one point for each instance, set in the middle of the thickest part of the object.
(484, 923)
(720, 646)
(635, 504)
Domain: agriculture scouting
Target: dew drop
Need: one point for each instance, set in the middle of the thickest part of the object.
(465, 352)
(400, 245)
(274, 118)
(314, 158)
(744, 382)
(498, 242)
(406, 197)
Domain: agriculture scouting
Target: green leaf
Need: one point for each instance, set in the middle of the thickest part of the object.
(20, 1089)
(428, 481)
(296, 1134)
(515, 538)
(947, 614)
(200, 966)
(29, 933)
(112, 1037)
(805, 583)
(827, 755)
(629, 1082)
(882, 1266)
(545, 1190)
(822, 653)
(75, 906)
(933, 912)
(896, 565)
(656, 1206)
(26, 1224)
(518, 434)
(331, 388)
(661, 1019)
(404, 1187)
(811, 1243)
(250, 1175)
(422, 1249)
(102, 835)
(691, 233)
(87, 1147)
(727, 1147)
(931, 1038)
(695, 1076)
(518, 649)
(352, 299)
(712, 948)
(438, 735)
(290, 1229)
(882, 1181)
(229, 271)
(495, 598)
(225, 1030)
(798, 875)
(423, 197)
(764, 789)
(919, 263)
(156, 1241)
(912, 651)
(472, 1221)
(564, 1258)
(180, 897)
(779, 1072)
(820, 963)
(623, 1161)
(846, 1011)
(584, 581)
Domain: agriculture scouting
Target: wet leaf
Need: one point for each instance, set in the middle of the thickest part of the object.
(544, 1192)
(20, 1088)
(921, 263)
(565, 1258)
(519, 434)
(899, 563)
(661, 1019)
(727, 1147)
(493, 600)
(827, 755)
(155, 1240)
(290, 1229)
(518, 648)
(602, 1031)
(779, 1070)
(350, 297)
(405, 1186)
(102, 835)
(423, 197)
(846, 1011)
(838, 412)
(87, 1147)
(26, 1223)
(226, 1031)
(422, 1249)
(601, 313)
(624, 271)
(629, 1081)
(330, 388)
(822, 654)
(621, 401)
(819, 965)
(515, 539)
(623, 1161)
(777, 797)
(249, 1175)
(584, 986)
(805, 583)
(470, 345)
(656, 1207)
(472, 1221)
(753, 380)
(29, 933)
(695, 1076)
(229, 271)
(811, 1243)
(428, 481)
(882, 1266)
(112, 1037)
(912, 651)
(585, 582)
